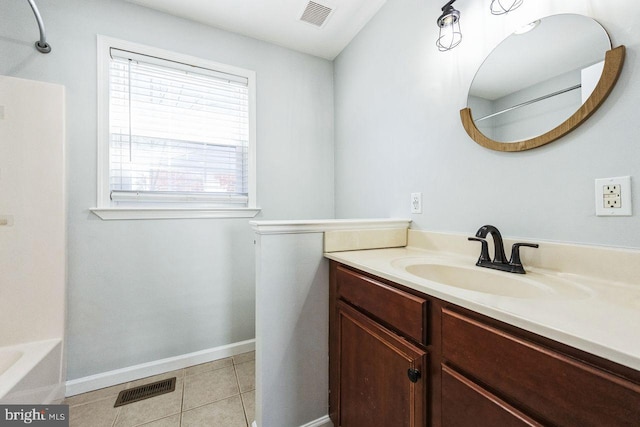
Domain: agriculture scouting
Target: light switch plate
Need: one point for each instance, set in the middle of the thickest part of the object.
(416, 203)
(613, 196)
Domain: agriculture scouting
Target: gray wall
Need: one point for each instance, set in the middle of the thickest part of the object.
(139, 291)
(398, 130)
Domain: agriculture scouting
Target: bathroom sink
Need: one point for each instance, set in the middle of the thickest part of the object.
(505, 284)
(477, 279)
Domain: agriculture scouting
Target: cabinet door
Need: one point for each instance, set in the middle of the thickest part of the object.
(465, 403)
(374, 365)
(550, 386)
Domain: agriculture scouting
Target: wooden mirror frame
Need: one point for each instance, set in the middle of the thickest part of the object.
(613, 61)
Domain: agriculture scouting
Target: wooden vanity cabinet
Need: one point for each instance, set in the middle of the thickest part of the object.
(465, 404)
(374, 365)
(553, 384)
(474, 371)
(377, 356)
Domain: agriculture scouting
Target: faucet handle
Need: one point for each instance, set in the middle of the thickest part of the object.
(484, 252)
(515, 262)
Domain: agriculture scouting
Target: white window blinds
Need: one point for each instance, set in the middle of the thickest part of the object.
(176, 132)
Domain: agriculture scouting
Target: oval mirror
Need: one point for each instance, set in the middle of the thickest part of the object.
(541, 82)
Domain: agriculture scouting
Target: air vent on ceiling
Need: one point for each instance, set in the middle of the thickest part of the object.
(316, 14)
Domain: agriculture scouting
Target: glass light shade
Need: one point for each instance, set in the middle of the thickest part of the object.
(449, 23)
(500, 7)
(449, 36)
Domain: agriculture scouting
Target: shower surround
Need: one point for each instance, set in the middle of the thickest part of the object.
(32, 241)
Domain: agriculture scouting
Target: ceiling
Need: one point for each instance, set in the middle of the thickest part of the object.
(559, 44)
(278, 21)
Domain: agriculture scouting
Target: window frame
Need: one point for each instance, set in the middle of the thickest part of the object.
(106, 209)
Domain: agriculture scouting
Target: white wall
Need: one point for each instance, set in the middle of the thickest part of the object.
(146, 290)
(292, 329)
(398, 130)
(32, 244)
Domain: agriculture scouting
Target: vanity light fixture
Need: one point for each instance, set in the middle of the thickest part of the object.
(450, 35)
(500, 7)
(449, 23)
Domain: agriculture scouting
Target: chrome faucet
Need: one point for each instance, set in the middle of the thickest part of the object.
(499, 258)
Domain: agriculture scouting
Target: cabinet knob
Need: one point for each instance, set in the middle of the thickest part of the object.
(414, 375)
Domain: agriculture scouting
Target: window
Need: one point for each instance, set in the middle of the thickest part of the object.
(176, 135)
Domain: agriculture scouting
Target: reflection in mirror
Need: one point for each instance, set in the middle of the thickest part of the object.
(538, 77)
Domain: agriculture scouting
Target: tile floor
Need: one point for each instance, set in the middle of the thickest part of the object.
(219, 393)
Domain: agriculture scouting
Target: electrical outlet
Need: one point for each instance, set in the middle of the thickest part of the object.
(416, 203)
(611, 189)
(612, 201)
(613, 196)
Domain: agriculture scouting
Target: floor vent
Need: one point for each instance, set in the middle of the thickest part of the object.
(145, 391)
(316, 13)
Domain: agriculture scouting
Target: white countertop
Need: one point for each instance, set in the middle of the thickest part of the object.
(594, 315)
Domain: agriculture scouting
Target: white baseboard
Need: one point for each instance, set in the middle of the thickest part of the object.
(320, 422)
(119, 376)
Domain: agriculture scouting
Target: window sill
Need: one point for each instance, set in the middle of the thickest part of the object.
(109, 214)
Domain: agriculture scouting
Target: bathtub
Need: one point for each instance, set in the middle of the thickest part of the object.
(31, 373)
